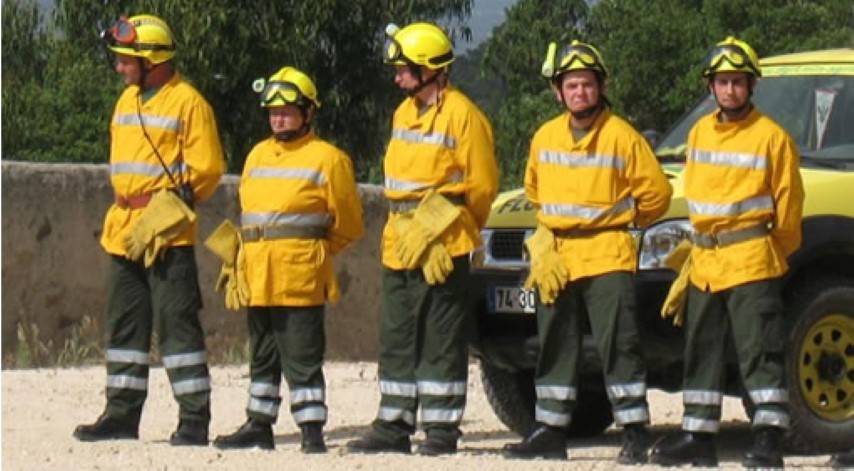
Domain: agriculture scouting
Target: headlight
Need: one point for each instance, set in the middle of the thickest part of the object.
(660, 240)
(478, 255)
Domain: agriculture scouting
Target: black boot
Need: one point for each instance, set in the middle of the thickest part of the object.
(767, 451)
(190, 433)
(251, 434)
(372, 442)
(312, 438)
(635, 445)
(544, 442)
(694, 448)
(843, 460)
(107, 428)
(434, 445)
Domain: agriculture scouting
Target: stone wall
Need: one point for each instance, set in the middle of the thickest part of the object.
(54, 270)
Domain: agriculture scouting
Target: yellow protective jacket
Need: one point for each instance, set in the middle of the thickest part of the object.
(449, 148)
(305, 182)
(182, 125)
(739, 175)
(609, 178)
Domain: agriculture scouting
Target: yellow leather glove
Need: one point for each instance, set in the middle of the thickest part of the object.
(674, 304)
(226, 243)
(430, 219)
(165, 217)
(436, 263)
(548, 273)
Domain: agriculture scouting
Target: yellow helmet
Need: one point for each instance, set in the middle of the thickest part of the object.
(419, 43)
(288, 86)
(574, 56)
(145, 36)
(731, 55)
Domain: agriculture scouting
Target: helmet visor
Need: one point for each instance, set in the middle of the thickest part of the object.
(731, 54)
(581, 53)
(281, 93)
(392, 52)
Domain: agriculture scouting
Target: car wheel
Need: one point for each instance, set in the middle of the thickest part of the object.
(512, 397)
(820, 367)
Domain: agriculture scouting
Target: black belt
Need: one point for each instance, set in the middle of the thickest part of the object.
(710, 241)
(587, 232)
(282, 231)
(404, 206)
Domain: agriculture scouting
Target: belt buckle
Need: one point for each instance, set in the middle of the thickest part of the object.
(252, 233)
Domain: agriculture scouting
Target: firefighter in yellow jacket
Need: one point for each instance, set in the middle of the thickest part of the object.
(165, 156)
(745, 200)
(299, 208)
(440, 180)
(590, 175)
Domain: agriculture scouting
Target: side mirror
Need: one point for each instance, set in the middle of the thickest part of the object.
(652, 137)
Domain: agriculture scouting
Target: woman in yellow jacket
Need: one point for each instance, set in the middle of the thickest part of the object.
(745, 201)
(299, 207)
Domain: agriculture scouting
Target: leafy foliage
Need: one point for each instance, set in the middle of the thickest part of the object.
(223, 45)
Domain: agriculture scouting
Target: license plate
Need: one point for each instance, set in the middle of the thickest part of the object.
(512, 299)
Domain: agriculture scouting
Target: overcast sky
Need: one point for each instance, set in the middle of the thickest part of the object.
(485, 15)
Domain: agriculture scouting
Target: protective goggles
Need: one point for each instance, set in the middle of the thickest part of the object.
(123, 34)
(577, 52)
(729, 53)
(287, 92)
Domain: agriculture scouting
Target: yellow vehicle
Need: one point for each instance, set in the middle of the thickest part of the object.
(811, 94)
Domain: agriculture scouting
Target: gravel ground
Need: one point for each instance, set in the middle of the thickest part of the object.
(42, 407)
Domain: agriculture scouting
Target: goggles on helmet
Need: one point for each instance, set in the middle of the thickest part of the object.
(732, 54)
(123, 34)
(577, 52)
(285, 91)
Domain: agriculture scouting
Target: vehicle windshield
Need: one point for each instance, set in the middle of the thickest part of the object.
(818, 111)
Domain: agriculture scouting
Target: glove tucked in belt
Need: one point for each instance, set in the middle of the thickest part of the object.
(430, 219)
(674, 305)
(548, 273)
(163, 219)
(226, 243)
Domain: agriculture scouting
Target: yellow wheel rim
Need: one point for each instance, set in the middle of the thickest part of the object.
(826, 368)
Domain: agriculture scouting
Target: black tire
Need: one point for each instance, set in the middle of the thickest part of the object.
(820, 366)
(512, 397)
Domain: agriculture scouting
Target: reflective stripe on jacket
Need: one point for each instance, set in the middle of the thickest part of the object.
(182, 125)
(738, 175)
(450, 148)
(608, 178)
(307, 182)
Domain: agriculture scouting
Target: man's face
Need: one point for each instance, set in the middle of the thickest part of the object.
(404, 78)
(129, 68)
(285, 118)
(580, 90)
(731, 89)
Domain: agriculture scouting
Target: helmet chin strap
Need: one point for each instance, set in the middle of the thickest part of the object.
(421, 82)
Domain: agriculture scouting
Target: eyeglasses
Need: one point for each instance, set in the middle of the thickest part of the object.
(285, 91)
(123, 34)
(732, 54)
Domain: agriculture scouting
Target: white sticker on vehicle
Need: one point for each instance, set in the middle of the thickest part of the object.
(824, 98)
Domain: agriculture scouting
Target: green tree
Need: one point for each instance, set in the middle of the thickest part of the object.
(515, 55)
(223, 45)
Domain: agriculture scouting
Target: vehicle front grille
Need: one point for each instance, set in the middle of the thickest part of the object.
(507, 245)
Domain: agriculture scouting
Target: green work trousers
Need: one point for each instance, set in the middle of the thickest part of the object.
(608, 300)
(751, 316)
(165, 295)
(289, 340)
(423, 358)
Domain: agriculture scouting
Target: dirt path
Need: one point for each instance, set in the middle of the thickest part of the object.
(42, 407)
